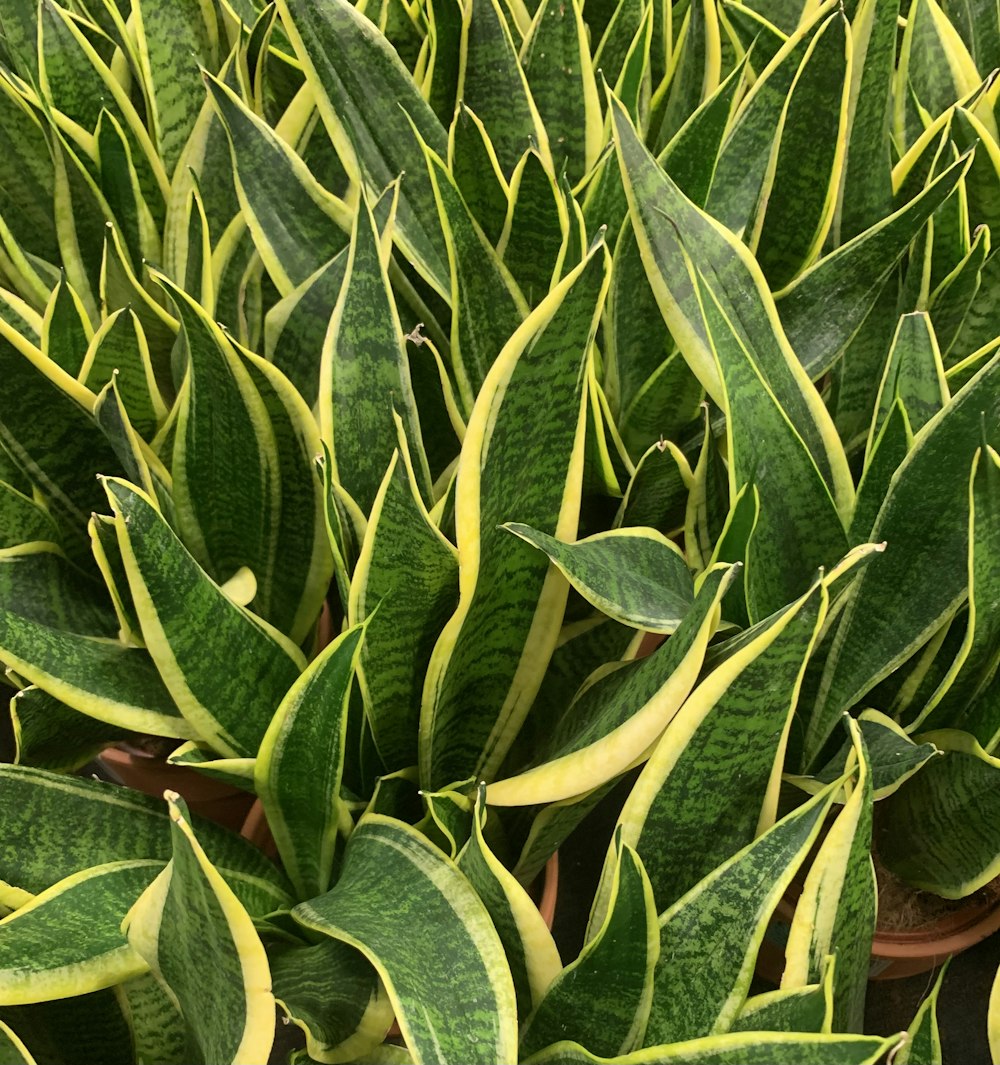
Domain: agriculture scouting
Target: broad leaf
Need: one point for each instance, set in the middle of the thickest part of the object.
(462, 1011)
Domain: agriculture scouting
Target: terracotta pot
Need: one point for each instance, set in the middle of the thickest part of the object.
(256, 829)
(899, 954)
(894, 954)
(221, 803)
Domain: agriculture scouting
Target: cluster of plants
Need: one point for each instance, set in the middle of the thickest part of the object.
(504, 333)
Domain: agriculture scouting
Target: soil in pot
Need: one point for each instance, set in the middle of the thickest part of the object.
(918, 930)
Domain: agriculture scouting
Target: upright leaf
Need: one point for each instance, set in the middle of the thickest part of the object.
(527, 942)
(404, 588)
(231, 708)
(489, 660)
(462, 1012)
(297, 225)
(709, 938)
(201, 944)
(836, 911)
(365, 375)
(557, 63)
(796, 209)
(603, 996)
(711, 781)
(171, 46)
(492, 83)
(349, 64)
(299, 767)
(487, 305)
(893, 609)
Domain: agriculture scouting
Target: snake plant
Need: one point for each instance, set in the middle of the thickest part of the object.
(509, 330)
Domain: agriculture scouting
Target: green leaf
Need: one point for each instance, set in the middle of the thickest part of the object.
(557, 64)
(66, 330)
(711, 782)
(487, 306)
(242, 408)
(923, 1045)
(934, 68)
(619, 713)
(348, 65)
(527, 942)
(938, 832)
(295, 327)
(866, 190)
(621, 31)
(157, 1027)
(738, 1048)
(532, 244)
(67, 940)
(92, 674)
(886, 454)
(53, 826)
(12, 1050)
(49, 735)
(657, 493)
(709, 938)
(913, 373)
(461, 1011)
(476, 171)
(492, 83)
(603, 996)
(332, 992)
(404, 589)
(201, 944)
(894, 609)
(695, 75)
(22, 520)
(824, 308)
(794, 1009)
(120, 350)
(51, 435)
(293, 596)
(836, 911)
(666, 405)
(719, 309)
(297, 226)
(708, 500)
(749, 28)
(743, 161)
(490, 658)
(230, 709)
(121, 184)
(171, 48)
(444, 31)
(300, 764)
(365, 375)
(804, 173)
(892, 757)
(25, 320)
(120, 288)
(969, 675)
(636, 576)
(953, 299)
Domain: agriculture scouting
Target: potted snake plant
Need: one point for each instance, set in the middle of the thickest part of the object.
(514, 317)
